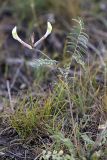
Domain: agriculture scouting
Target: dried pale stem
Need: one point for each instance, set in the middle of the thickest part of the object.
(105, 78)
(9, 94)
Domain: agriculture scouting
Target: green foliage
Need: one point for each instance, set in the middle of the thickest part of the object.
(26, 119)
(41, 62)
(59, 141)
(77, 42)
(64, 112)
(55, 155)
(88, 142)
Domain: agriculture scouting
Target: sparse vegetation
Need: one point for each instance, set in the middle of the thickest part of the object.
(60, 114)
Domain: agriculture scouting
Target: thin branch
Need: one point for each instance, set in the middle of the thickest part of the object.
(9, 94)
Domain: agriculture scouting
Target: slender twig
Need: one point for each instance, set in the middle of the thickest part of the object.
(9, 94)
(16, 75)
(43, 54)
(97, 52)
(105, 79)
(71, 112)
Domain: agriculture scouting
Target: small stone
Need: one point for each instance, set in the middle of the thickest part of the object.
(23, 86)
(61, 152)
